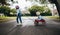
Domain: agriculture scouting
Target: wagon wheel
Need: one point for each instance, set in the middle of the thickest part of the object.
(36, 23)
(43, 23)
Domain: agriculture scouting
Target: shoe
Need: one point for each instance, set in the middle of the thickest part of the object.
(19, 23)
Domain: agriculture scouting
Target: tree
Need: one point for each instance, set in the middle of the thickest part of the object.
(46, 13)
(12, 0)
(55, 2)
(36, 8)
(13, 11)
(7, 10)
(3, 2)
(43, 1)
(57, 5)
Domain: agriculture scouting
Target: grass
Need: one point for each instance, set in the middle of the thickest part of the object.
(5, 19)
(55, 18)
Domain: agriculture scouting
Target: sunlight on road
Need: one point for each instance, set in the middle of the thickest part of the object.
(28, 21)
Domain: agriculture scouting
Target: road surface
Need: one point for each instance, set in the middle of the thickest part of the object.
(28, 27)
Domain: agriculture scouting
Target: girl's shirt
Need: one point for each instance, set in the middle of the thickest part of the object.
(18, 11)
(40, 17)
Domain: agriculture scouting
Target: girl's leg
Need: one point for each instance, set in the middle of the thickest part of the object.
(20, 19)
(17, 19)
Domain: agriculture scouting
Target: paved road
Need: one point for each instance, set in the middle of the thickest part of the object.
(28, 28)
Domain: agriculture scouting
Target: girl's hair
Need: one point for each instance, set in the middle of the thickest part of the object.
(17, 7)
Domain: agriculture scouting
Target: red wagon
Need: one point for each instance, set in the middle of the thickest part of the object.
(37, 21)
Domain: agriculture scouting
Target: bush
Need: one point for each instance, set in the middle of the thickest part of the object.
(36, 8)
(41, 9)
(6, 10)
(48, 13)
(13, 11)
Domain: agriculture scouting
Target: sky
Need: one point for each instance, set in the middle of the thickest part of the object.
(23, 4)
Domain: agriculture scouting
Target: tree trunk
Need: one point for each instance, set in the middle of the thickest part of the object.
(58, 7)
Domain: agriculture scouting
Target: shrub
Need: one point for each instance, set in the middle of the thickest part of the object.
(47, 13)
(6, 10)
(41, 9)
(36, 8)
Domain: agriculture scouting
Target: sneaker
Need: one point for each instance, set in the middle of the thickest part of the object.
(19, 23)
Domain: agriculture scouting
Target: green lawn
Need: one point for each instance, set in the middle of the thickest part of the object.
(5, 19)
(53, 17)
